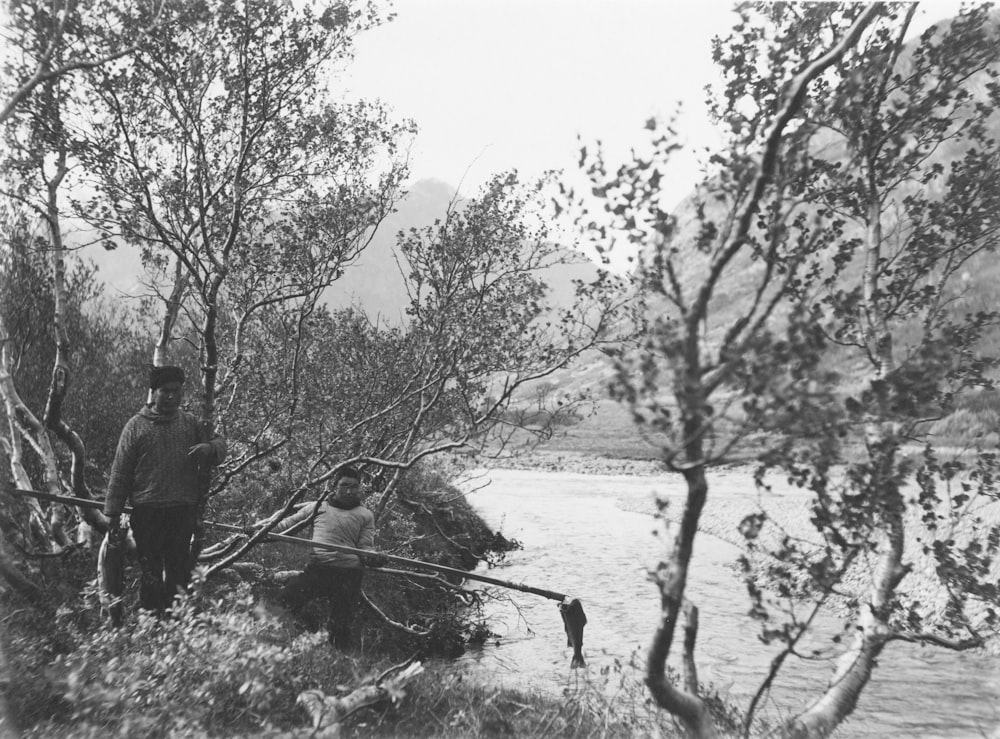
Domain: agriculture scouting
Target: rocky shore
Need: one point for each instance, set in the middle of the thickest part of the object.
(580, 463)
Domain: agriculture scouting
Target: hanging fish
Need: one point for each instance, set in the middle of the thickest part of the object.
(574, 619)
(111, 573)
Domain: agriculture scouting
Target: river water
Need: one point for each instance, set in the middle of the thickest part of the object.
(594, 537)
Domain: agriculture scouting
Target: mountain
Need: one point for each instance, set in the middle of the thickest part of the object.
(375, 281)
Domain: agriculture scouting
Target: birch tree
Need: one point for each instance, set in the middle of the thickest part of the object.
(47, 42)
(68, 36)
(479, 331)
(809, 313)
(221, 154)
(906, 530)
(737, 350)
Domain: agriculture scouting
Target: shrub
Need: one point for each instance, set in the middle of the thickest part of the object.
(201, 669)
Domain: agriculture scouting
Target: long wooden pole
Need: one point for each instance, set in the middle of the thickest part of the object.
(551, 594)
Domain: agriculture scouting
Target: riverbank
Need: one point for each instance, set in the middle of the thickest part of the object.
(230, 670)
(581, 463)
(596, 536)
(784, 510)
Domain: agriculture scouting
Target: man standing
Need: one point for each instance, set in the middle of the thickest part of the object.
(341, 520)
(156, 468)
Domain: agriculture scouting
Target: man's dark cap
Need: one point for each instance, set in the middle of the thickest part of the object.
(348, 471)
(160, 376)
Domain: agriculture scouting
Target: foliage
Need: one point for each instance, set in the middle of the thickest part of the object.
(248, 188)
(46, 41)
(107, 351)
(202, 670)
(236, 174)
(916, 209)
(832, 232)
(428, 520)
(229, 664)
(432, 521)
(321, 387)
(116, 688)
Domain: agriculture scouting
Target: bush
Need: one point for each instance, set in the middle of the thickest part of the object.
(203, 669)
(433, 521)
(430, 520)
(226, 664)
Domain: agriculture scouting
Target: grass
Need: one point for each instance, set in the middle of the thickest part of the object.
(232, 664)
(447, 704)
(225, 667)
(609, 432)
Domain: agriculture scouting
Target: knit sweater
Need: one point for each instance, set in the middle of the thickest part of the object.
(152, 466)
(347, 525)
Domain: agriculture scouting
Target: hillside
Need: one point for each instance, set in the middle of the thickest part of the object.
(375, 281)
(376, 284)
(972, 290)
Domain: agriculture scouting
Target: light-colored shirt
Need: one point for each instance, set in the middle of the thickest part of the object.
(353, 528)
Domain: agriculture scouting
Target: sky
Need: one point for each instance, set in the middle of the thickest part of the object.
(500, 84)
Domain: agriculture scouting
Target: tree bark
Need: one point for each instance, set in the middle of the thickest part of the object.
(672, 580)
(61, 374)
(24, 427)
(691, 394)
(855, 666)
(16, 579)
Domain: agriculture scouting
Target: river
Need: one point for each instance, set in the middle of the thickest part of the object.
(594, 537)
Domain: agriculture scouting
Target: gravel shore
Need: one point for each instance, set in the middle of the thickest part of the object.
(580, 463)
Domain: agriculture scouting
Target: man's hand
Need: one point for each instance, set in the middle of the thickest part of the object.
(203, 452)
(116, 534)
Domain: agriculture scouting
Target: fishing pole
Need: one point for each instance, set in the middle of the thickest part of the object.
(571, 609)
(84, 503)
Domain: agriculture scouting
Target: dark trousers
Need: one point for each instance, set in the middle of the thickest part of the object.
(163, 543)
(342, 585)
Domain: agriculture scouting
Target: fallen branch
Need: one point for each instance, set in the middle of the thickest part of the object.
(469, 596)
(394, 624)
(364, 553)
(328, 712)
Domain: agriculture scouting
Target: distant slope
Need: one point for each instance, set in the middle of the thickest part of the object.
(975, 290)
(375, 282)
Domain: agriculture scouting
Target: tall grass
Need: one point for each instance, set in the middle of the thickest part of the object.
(230, 668)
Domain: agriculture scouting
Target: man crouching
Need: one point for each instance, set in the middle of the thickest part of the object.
(341, 520)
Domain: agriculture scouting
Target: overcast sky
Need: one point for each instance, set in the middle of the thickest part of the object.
(498, 84)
